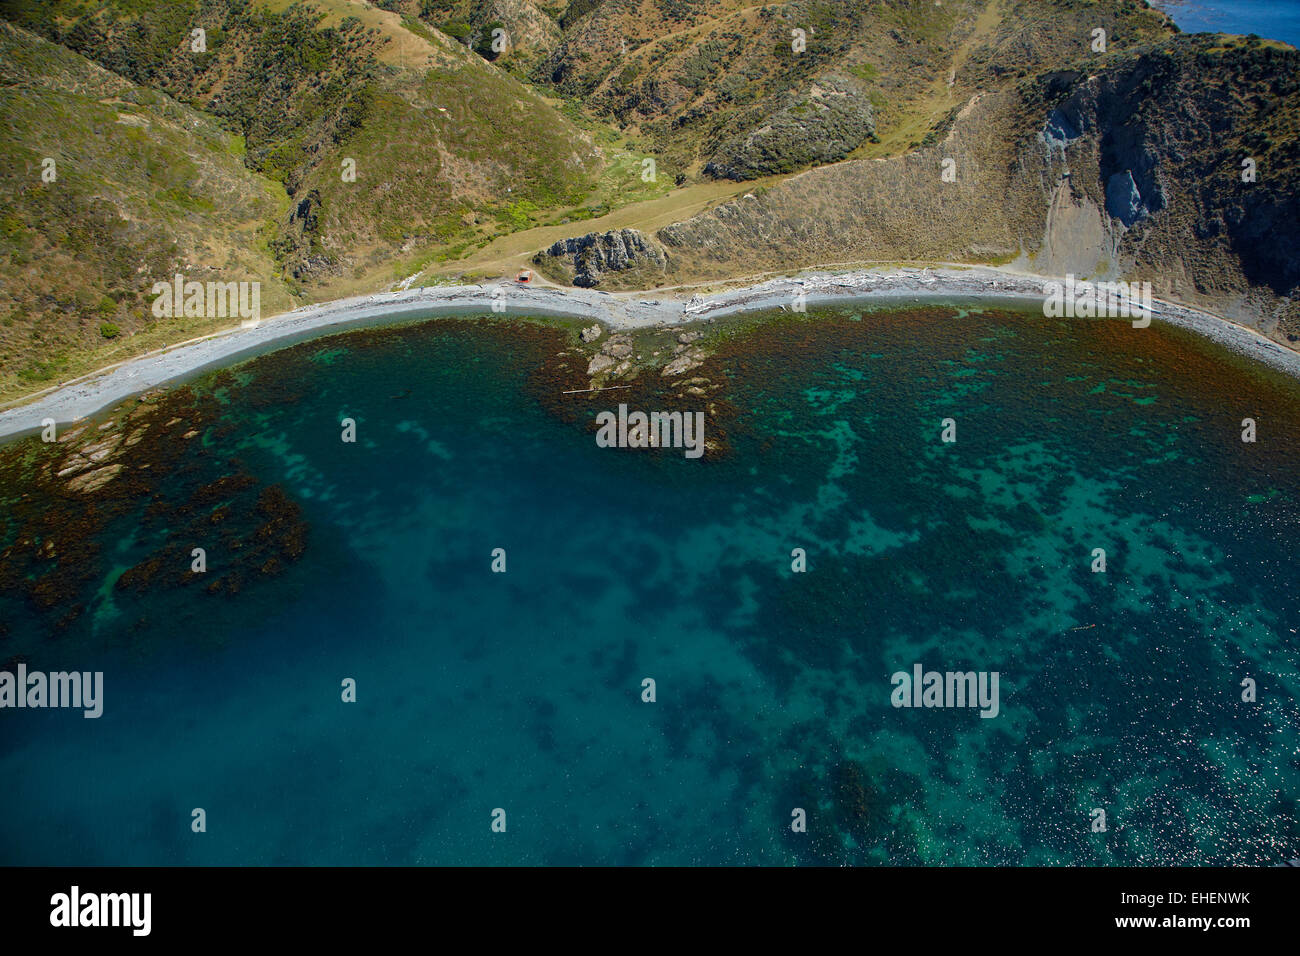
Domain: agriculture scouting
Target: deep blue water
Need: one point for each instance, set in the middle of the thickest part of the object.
(522, 690)
(1271, 19)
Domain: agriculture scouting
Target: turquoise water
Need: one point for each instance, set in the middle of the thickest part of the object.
(1271, 19)
(522, 690)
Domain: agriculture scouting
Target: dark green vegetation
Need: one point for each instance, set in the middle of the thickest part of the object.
(821, 126)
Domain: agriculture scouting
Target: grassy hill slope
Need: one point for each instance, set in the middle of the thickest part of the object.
(143, 188)
(446, 148)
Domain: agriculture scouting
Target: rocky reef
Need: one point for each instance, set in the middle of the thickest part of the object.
(105, 519)
(661, 368)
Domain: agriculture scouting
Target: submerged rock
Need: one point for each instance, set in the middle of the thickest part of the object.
(684, 363)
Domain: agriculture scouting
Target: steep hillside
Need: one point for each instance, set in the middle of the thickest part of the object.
(530, 32)
(1133, 170)
(712, 85)
(1163, 154)
(140, 188)
(389, 137)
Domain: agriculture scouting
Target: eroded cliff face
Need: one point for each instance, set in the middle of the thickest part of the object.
(1182, 155)
(1137, 170)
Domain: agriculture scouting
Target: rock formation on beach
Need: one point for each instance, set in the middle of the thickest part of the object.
(586, 260)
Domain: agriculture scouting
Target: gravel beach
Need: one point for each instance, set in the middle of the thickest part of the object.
(80, 398)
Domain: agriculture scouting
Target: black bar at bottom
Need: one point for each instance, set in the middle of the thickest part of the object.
(334, 905)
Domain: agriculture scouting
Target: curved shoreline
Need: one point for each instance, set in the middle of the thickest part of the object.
(82, 398)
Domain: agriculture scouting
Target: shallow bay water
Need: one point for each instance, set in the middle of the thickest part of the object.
(523, 690)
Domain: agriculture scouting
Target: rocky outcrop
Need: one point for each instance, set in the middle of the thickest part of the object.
(586, 260)
(1123, 200)
(1143, 170)
(1172, 164)
(821, 125)
(614, 356)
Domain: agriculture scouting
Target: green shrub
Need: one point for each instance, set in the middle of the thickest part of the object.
(484, 46)
(456, 30)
